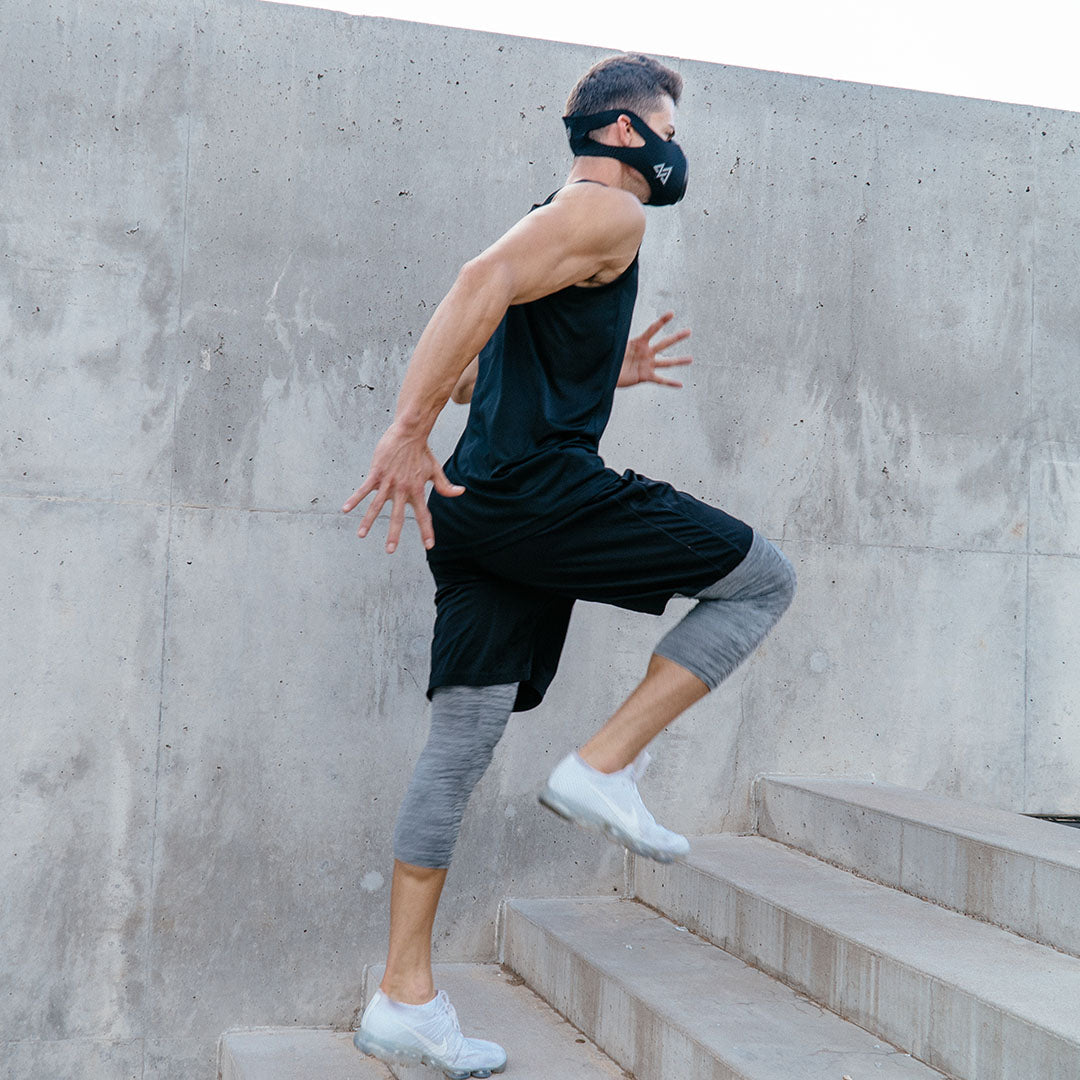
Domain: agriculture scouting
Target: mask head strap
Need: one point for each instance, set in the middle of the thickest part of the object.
(660, 161)
(578, 128)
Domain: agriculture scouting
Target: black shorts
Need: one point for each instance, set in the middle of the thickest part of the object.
(502, 617)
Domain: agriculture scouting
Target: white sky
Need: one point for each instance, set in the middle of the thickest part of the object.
(1025, 53)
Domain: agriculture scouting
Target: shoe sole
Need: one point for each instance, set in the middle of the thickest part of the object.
(396, 1055)
(550, 801)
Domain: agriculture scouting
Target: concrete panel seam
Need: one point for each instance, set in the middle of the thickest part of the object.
(500, 930)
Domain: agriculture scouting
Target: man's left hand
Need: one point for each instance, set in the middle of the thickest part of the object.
(641, 360)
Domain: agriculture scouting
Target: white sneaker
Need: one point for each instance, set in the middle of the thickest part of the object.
(402, 1034)
(610, 802)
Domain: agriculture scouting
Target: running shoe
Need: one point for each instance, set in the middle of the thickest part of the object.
(430, 1034)
(610, 802)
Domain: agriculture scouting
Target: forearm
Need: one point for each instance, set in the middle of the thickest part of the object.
(463, 391)
(460, 327)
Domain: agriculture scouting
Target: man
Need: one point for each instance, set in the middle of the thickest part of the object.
(526, 519)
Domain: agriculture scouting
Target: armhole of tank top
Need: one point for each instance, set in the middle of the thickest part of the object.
(607, 284)
(613, 281)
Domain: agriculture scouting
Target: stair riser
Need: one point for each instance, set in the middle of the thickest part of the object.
(227, 1065)
(942, 1025)
(1031, 896)
(624, 1028)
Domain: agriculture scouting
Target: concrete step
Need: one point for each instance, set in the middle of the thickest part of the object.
(1003, 867)
(971, 999)
(667, 1005)
(492, 1003)
(295, 1054)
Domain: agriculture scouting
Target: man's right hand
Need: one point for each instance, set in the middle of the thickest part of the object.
(400, 467)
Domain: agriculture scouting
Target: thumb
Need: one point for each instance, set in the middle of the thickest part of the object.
(443, 485)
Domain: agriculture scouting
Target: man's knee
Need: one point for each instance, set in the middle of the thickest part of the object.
(765, 575)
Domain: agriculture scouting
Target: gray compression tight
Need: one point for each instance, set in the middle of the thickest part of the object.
(732, 615)
(466, 723)
(729, 621)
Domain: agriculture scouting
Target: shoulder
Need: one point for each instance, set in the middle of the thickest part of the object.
(579, 237)
(598, 206)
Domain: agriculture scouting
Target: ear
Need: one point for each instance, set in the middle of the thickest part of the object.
(627, 134)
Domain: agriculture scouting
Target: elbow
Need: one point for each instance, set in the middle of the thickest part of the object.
(487, 279)
(463, 388)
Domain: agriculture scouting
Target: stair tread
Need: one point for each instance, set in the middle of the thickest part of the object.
(296, 1054)
(1030, 980)
(737, 1014)
(1046, 840)
(492, 1003)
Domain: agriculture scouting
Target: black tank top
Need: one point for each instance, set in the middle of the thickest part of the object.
(543, 396)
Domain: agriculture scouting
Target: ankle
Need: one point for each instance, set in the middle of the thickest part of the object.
(408, 992)
(604, 762)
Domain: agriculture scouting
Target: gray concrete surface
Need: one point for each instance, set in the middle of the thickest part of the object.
(494, 1003)
(491, 1002)
(296, 1054)
(973, 1000)
(665, 1003)
(1011, 870)
(225, 225)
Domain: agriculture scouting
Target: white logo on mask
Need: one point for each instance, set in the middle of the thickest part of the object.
(662, 172)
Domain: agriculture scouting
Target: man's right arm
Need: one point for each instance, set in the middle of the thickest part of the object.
(570, 240)
(574, 238)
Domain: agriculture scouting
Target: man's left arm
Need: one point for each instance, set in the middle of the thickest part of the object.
(639, 363)
(463, 388)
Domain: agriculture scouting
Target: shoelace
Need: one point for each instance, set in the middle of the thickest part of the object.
(635, 770)
(454, 1038)
(450, 1010)
(638, 766)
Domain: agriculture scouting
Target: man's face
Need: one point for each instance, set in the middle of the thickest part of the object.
(623, 133)
(662, 122)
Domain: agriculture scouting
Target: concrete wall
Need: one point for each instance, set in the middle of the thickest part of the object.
(224, 227)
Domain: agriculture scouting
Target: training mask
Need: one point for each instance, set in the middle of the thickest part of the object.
(662, 163)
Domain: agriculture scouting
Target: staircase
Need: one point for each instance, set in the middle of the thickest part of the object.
(864, 931)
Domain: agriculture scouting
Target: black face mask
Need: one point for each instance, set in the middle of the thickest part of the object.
(662, 163)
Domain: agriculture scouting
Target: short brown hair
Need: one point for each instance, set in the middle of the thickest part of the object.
(629, 81)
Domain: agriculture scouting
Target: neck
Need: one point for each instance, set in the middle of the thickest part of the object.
(609, 171)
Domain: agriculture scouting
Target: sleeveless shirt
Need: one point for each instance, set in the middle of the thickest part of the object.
(542, 398)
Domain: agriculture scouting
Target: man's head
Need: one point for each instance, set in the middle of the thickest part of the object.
(631, 98)
(631, 81)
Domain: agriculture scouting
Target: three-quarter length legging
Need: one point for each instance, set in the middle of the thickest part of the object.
(730, 619)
